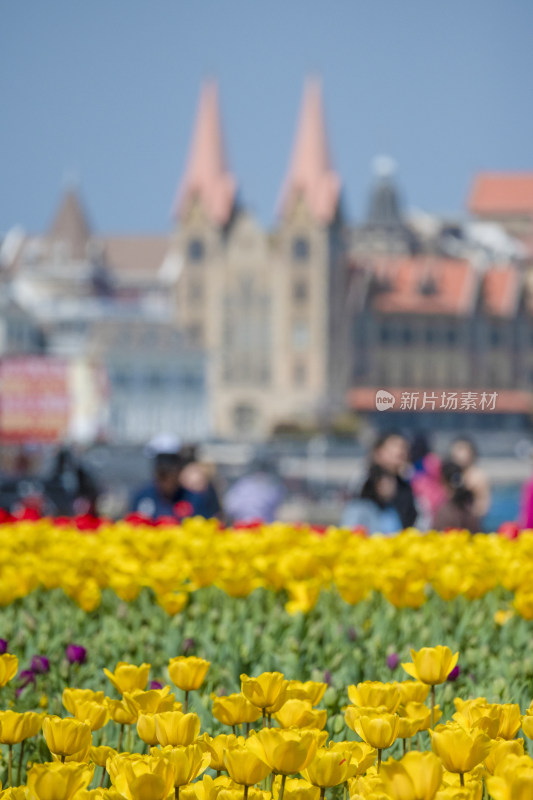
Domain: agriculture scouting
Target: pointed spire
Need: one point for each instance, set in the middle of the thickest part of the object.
(310, 174)
(206, 175)
(70, 224)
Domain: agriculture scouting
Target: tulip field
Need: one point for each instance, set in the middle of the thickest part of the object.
(149, 662)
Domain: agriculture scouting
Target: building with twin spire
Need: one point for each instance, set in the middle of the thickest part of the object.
(225, 327)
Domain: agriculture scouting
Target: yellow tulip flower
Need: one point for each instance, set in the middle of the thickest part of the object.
(187, 672)
(95, 714)
(174, 728)
(142, 778)
(416, 777)
(431, 665)
(244, 766)
(306, 690)
(73, 696)
(296, 713)
(186, 762)
(412, 692)
(146, 729)
(373, 694)
(216, 747)
(286, 751)
(121, 711)
(9, 665)
(17, 793)
(501, 749)
(128, 677)
(296, 789)
(55, 780)
(100, 754)
(328, 768)
(459, 749)
(234, 709)
(379, 730)
(362, 756)
(263, 691)
(16, 727)
(65, 737)
(153, 701)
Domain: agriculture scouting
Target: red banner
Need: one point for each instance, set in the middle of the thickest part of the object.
(34, 399)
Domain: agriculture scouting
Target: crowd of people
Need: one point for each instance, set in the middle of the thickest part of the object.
(405, 484)
(409, 485)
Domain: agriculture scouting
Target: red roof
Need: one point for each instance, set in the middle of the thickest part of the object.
(502, 193)
(425, 285)
(310, 174)
(501, 291)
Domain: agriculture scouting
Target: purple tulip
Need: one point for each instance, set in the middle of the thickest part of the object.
(327, 677)
(454, 674)
(39, 665)
(76, 654)
(25, 678)
(188, 645)
(393, 660)
(155, 685)
(4, 644)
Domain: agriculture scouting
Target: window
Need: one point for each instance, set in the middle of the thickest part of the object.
(300, 335)
(299, 373)
(195, 250)
(300, 249)
(300, 291)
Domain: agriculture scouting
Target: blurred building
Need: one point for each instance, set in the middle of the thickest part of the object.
(226, 328)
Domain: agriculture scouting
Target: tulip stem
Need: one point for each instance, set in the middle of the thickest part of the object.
(21, 756)
(247, 729)
(282, 787)
(462, 778)
(10, 766)
(121, 734)
(379, 758)
(234, 730)
(404, 746)
(177, 792)
(186, 702)
(246, 787)
(432, 707)
(63, 757)
(269, 717)
(102, 779)
(322, 792)
(264, 718)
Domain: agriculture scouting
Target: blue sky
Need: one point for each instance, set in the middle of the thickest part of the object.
(107, 92)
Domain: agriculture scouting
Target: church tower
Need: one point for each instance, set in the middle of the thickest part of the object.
(311, 280)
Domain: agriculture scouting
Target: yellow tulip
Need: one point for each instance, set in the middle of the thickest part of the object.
(373, 694)
(416, 777)
(14, 793)
(459, 749)
(216, 747)
(378, 730)
(187, 672)
(362, 756)
(263, 691)
(142, 777)
(328, 768)
(207, 788)
(128, 677)
(146, 729)
(65, 737)
(412, 692)
(100, 754)
(174, 728)
(234, 709)
(286, 751)
(16, 727)
(73, 696)
(95, 714)
(431, 665)
(244, 766)
(500, 749)
(186, 762)
(527, 725)
(518, 786)
(9, 665)
(153, 701)
(306, 690)
(121, 711)
(296, 713)
(172, 602)
(297, 789)
(509, 720)
(55, 780)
